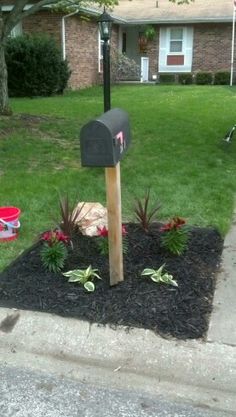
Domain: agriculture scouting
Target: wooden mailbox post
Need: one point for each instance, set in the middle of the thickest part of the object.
(103, 142)
(113, 190)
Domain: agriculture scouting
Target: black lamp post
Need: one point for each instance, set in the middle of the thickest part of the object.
(105, 26)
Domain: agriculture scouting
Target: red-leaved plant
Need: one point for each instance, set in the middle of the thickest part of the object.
(70, 216)
(143, 213)
(102, 240)
(175, 235)
(54, 252)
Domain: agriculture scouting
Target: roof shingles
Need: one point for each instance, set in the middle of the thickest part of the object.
(165, 11)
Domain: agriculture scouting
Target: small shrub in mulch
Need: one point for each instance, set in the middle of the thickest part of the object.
(181, 312)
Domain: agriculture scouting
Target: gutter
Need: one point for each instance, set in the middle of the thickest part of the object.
(177, 21)
(96, 12)
(63, 32)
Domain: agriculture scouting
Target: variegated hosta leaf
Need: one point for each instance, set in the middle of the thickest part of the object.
(88, 271)
(148, 271)
(155, 278)
(89, 286)
(96, 275)
(74, 278)
(67, 274)
(168, 279)
(74, 273)
(159, 271)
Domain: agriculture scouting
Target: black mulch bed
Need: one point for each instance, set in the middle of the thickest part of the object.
(181, 312)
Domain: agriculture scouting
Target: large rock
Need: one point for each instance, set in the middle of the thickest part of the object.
(92, 216)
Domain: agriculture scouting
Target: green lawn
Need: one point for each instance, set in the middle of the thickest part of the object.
(176, 150)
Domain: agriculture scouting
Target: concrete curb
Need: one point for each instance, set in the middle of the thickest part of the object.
(222, 327)
(207, 367)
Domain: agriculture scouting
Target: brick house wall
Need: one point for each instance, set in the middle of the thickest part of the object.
(82, 51)
(81, 40)
(211, 48)
(44, 22)
(81, 43)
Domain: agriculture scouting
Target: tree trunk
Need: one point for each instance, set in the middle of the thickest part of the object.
(4, 101)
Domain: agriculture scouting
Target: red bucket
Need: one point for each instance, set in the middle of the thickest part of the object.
(9, 223)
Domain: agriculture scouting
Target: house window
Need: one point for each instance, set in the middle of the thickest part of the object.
(124, 43)
(176, 40)
(17, 30)
(176, 49)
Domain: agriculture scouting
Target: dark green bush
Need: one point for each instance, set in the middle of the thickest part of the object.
(203, 78)
(167, 78)
(185, 78)
(222, 78)
(35, 66)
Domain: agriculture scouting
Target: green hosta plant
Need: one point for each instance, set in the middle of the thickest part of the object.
(83, 277)
(157, 275)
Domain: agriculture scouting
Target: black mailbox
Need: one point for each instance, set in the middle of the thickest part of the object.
(104, 141)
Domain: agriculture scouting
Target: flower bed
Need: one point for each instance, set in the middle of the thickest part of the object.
(182, 311)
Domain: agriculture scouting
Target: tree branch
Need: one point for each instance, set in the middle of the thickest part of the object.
(12, 17)
(36, 7)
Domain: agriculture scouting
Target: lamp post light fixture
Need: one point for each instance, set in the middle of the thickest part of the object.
(105, 26)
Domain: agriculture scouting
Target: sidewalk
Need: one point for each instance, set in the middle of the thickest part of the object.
(196, 372)
(222, 328)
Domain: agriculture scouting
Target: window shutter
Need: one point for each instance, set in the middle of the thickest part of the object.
(162, 49)
(189, 49)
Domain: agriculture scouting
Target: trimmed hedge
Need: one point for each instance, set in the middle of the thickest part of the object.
(204, 78)
(35, 66)
(167, 78)
(185, 79)
(222, 78)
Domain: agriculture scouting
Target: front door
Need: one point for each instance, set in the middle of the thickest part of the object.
(144, 69)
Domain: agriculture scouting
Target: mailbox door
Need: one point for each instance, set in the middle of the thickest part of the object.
(117, 122)
(104, 141)
(96, 145)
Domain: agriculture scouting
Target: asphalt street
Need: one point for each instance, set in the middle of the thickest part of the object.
(26, 393)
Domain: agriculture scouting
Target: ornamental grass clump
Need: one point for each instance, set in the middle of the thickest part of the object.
(102, 240)
(175, 236)
(54, 251)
